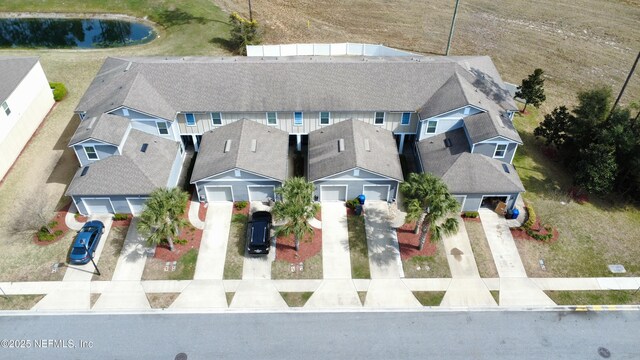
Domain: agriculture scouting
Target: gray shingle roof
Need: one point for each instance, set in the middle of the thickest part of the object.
(270, 158)
(464, 172)
(325, 159)
(248, 84)
(12, 70)
(106, 128)
(132, 173)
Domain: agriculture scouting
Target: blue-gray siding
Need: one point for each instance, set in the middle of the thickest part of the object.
(489, 149)
(147, 123)
(104, 151)
(356, 183)
(239, 184)
(175, 170)
(119, 202)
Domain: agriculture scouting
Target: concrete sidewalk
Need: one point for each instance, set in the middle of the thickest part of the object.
(133, 256)
(257, 294)
(336, 260)
(382, 241)
(123, 295)
(85, 272)
(213, 247)
(390, 293)
(201, 294)
(335, 293)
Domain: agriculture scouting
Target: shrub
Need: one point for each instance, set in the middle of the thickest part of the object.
(239, 205)
(531, 220)
(239, 218)
(44, 234)
(52, 224)
(243, 32)
(353, 203)
(120, 217)
(541, 237)
(180, 241)
(59, 90)
(471, 214)
(58, 233)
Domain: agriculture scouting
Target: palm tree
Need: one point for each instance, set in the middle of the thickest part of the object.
(161, 220)
(296, 207)
(429, 203)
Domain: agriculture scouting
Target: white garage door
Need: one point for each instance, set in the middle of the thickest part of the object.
(376, 192)
(333, 193)
(222, 193)
(98, 206)
(261, 193)
(136, 205)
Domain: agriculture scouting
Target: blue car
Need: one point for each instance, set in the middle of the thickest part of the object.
(87, 238)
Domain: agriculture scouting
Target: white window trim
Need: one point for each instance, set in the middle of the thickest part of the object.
(158, 127)
(266, 116)
(504, 153)
(5, 107)
(301, 118)
(320, 118)
(426, 128)
(214, 124)
(94, 150)
(186, 121)
(402, 119)
(375, 116)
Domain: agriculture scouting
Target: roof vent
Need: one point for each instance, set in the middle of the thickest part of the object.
(91, 122)
(254, 145)
(144, 147)
(506, 168)
(367, 147)
(85, 171)
(341, 145)
(227, 146)
(447, 142)
(128, 66)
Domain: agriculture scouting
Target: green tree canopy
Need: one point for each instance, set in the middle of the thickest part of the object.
(430, 205)
(161, 220)
(532, 89)
(296, 207)
(243, 32)
(554, 127)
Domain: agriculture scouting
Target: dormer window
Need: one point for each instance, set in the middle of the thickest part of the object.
(432, 125)
(501, 151)
(91, 152)
(162, 128)
(190, 119)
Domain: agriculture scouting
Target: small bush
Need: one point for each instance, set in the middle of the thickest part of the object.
(120, 217)
(239, 205)
(180, 241)
(52, 224)
(353, 203)
(45, 235)
(239, 218)
(531, 220)
(59, 90)
(541, 237)
(58, 233)
(471, 214)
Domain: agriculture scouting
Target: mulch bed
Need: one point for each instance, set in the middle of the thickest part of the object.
(521, 233)
(202, 211)
(190, 233)
(409, 242)
(470, 219)
(243, 211)
(59, 217)
(286, 247)
(123, 223)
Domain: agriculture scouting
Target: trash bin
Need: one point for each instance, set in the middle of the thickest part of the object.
(361, 199)
(509, 214)
(515, 214)
(358, 210)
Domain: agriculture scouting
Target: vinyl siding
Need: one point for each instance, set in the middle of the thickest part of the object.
(311, 121)
(355, 183)
(488, 149)
(446, 122)
(175, 170)
(147, 123)
(104, 151)
(120, 204)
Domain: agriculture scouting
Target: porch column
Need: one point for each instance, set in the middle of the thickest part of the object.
(401, 146)
(194, 138)
(299, 142)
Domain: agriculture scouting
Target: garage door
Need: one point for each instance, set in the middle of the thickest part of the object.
(376, 192)
(333, 193)
(215, 194)
(260, 193)
(98, 206)
(136, 205)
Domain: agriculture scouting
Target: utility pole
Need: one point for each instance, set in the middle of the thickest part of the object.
(250, 14)
(453, 23)
(624, 86)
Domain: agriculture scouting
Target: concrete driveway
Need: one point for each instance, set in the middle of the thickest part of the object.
(336, 260)
(382, 241)
(85, 272)
(213, 247)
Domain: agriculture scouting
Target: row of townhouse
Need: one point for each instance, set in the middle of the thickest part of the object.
(352, 115)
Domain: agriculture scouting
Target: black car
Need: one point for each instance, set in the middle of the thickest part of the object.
(259, 233)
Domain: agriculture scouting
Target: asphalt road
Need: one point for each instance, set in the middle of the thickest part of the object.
(352, 335)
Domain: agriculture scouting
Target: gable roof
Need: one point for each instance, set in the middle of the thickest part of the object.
(464, 172)
(132, 173)
(106, 128)
(269, 159)
(232, 84)
(12, 70)
(326, 159)
(484, 126)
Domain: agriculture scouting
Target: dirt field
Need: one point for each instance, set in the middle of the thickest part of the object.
(578, 43)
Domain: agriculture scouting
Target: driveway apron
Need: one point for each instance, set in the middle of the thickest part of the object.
(85, 272)
(213, 247)
(132, 257)
(336, 260)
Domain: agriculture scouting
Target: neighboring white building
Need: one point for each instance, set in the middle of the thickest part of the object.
(25, 100)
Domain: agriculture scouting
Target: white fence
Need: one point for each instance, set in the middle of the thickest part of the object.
(339, 49)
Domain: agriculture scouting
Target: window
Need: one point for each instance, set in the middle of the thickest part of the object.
(91, 153)
(272, 118)
(431, 126)
(467, 110)
(501, 151)
(379, 120)
(297, 118)
(162, 128)
(6, 109)
(191, 119)
(406, 118)
(125, 111)
(324, 118)
(216, 118)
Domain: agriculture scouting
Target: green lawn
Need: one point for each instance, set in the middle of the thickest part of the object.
(296, 299)
(429, 298)
(601, 232)
(358, 249)
(601, 297)
(19, 302)
(312, 269)
(235, 247)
